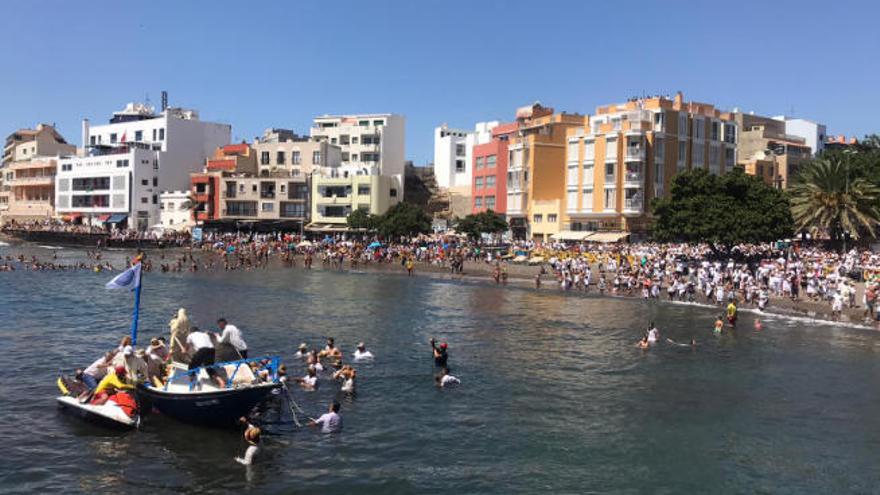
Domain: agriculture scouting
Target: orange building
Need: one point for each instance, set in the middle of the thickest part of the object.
(536, 171)
(625, 155)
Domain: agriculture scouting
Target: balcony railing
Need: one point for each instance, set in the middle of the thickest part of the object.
(267, 194)
(633, 176)
(634, 204)
(635, 153)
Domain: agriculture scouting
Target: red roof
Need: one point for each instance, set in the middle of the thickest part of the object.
(231, 149)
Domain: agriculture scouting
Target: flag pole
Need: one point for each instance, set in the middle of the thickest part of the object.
(137, 306)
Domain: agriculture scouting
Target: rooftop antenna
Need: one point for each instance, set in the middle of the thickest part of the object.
(164, 100)
(791, 110)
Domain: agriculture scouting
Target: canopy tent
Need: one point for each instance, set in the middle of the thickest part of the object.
(304, 244)
(71, 217)
(104, 217)
(374, 245)
(607, 237)
(116, 218)
(571, 235)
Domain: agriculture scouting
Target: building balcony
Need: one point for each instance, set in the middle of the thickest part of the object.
(633, 205)
(32, 181)
(633, 178)
(333, 200)
(267, 195)
(635, 153)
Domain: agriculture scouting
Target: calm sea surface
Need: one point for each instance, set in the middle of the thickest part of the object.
(554, 398)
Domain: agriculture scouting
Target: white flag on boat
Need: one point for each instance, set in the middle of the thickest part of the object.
(129, 279)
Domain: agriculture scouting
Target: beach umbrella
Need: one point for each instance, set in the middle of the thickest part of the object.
(374, 245)
(304, 244)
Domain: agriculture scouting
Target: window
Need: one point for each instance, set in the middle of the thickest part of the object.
(490, 161)
(316, 157)
(714, 155)
(138, 136)
(268, 207)
(459, 150)
(459, 166)
(698, 152)
(609, 173)
(364, 190)
(729, 154)
(587, 199)
(715, 131)
(113, 137)
(254, 188)
(241, 188)
(572, 200)
(162, 134)
(119, 164)
(241, 208)
(154, 134)
(490, 202)
(280, 159)
(155, 198)
(490, 181)
(699, 129)
(264, 158)
(682, 154)
(730, 133)
(292, 209)
(537, 218)
(478, 183)
(572, 178)
(610, 198)
(480, 162)
(658, 179)
(354, 140)
(589, 150)
(145, 182)
(378, 122)
(572, 151)
(610, 149)
(294, 157)
(364, 123)
(393, 193)
(551, 218)
(588, 173)
(478, 202)
(144, 200)
(354, 157)
(682, 124)
(659, 149)
(92, 140)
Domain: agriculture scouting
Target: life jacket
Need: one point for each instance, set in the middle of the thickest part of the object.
(125, 401)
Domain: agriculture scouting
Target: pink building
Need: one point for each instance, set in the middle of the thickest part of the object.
(489, 186)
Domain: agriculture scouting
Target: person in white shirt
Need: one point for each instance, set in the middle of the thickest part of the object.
(653, 334)
(98, 370)
(361, 353)
(310, 381)
(331, 422)
(230, 334)
(252, 437)
(201, 348)
(444, 379)
(303, 351)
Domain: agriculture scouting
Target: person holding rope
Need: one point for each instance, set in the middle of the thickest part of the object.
(231, 335)
(252, 438)
(330, 422)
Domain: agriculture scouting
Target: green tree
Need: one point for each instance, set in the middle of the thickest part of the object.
(361, 219)
(832, 194)
(722, 210)
(403, 219)
(487, 222)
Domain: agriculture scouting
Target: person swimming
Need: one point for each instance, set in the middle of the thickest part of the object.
(361, 353)
(643, 343)
(719, 325)
(252, 438)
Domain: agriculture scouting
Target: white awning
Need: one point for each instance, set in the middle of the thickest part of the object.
(571, 235)
(607, 237)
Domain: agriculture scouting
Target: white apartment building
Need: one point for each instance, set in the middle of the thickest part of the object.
(454, 154)
(370, 142)
(174, 210)
(127, 163)
(813, 133)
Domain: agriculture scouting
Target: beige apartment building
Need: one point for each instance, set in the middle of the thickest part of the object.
(626, 154)
(339, 192)
(27, 188)
(281, 151)
(766, 151)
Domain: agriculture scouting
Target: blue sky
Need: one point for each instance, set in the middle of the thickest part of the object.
(278, 64)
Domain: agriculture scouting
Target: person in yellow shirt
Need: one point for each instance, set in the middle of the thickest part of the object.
(731, 313)
(109, 385)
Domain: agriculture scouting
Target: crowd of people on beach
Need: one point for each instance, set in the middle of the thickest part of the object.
(113, 232)
(756, 275)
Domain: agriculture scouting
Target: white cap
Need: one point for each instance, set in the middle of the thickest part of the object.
(127, 351)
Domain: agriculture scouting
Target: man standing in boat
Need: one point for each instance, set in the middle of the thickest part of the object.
(201, 346)
(230, 335)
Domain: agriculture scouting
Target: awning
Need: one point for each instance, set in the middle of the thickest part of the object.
(103, 218)
(70, 217)
(571, 235)
(326, 227)
(607, 237)
(116, 218)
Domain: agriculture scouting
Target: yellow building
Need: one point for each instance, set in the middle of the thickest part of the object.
(626, 154)
(536, 172)
(337, 194)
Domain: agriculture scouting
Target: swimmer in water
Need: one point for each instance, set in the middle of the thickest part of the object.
(643, 343)
(758, 325)
(444, 379)
(719, 325)
(653, 334)
(252, 437)
(361, 353)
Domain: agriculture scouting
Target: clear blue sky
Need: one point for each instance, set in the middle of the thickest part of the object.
(278, 64)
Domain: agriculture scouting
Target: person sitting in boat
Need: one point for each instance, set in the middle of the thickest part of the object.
(136, 366)
(201, 348)
(180, 329)
(361, 353)
(98, 370)
(303, 351)
(156, 361)
(252, 438)
(310, 381)
(109, 385)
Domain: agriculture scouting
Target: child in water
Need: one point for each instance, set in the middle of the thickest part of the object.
(719, 325)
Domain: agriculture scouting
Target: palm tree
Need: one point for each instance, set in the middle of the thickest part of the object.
(827, 198)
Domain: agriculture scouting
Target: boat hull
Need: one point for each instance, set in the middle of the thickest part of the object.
(211, 408)
(95, 415)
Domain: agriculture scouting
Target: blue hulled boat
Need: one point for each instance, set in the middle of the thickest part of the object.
(194, 397)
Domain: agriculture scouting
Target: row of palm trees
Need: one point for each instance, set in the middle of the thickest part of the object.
(838, 194)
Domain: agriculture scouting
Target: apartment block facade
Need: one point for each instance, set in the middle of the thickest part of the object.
(339, 192)
(766, 150)
(281, 151)
(489, 186)
(536, 171)
(27, 173)
(627, 154)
